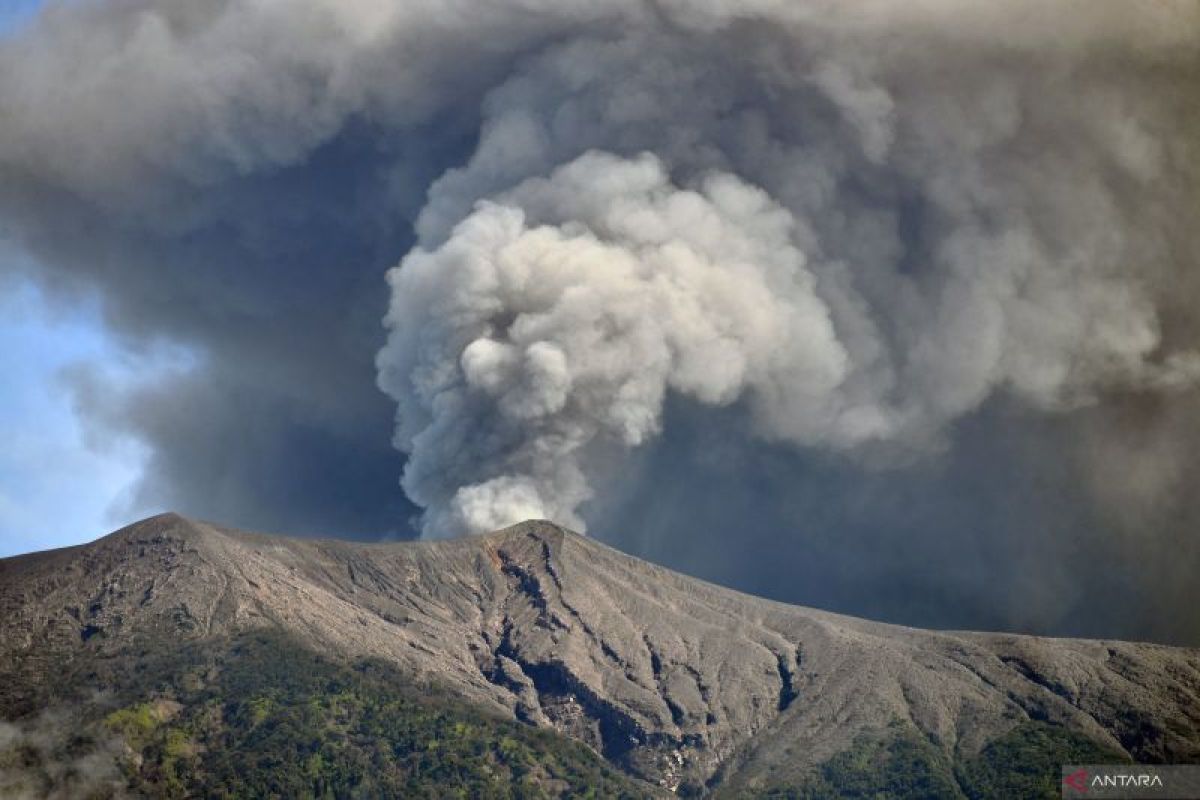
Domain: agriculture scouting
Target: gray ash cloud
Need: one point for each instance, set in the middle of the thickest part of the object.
(900, 294)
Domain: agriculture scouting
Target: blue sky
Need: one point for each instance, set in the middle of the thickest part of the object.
(15, 12)
(58, 486)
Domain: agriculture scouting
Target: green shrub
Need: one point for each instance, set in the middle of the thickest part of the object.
(1027, 762)
(277, 720)
(900, 763)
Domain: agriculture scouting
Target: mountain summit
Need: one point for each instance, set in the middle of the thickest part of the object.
(682, 685)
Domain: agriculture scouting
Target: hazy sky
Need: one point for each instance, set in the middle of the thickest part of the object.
(56, 488)
(885, 308)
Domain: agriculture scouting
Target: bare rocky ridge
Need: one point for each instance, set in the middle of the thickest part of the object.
(669, 677)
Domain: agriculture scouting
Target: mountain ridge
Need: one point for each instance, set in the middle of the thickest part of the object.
(677, 681)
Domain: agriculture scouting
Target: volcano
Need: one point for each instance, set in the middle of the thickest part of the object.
(172, 644)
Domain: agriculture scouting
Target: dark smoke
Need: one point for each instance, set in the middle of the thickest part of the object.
(888, 308)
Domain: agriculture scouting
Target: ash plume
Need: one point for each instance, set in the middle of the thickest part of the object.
(767, 206)
(880, 290)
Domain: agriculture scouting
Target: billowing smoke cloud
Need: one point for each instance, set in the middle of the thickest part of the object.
(885, 292)
(556, 319)
(776, 211)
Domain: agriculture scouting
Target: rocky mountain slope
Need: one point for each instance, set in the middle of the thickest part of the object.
(685, 685)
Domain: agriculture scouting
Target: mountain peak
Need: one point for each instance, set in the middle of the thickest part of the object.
(166, 523)
(668, 677)
(536, 533)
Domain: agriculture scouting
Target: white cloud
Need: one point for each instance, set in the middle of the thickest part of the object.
(58, 486)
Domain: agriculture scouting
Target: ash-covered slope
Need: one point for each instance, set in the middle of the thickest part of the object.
(676, 681)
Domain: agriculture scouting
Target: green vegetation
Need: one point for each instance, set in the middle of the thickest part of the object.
(900, 763)
(1027, 762)
(264, 716)
(137, 723)
(270, 718)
